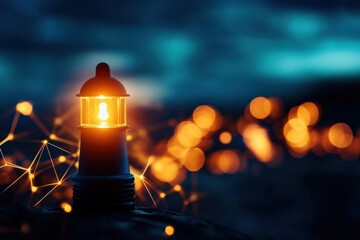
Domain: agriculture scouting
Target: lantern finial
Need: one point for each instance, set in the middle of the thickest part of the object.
(102, 70)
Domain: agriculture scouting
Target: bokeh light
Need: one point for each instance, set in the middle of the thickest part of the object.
(188, 134)
(340, 135)
(66, 207)
(169, 230)
(194, 159)
(165, 169)
(260, 108)
(25, 108)
(225, 162)
(161, 167)
(204, 116)
(225, 137)
(309, 113)
(257, 140)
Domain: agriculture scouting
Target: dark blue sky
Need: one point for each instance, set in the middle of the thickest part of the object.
(177, 51)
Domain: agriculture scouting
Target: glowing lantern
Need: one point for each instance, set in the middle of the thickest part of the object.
(103, 163)
(102, 101)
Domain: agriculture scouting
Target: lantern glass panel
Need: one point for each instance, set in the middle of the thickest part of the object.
(103, 112)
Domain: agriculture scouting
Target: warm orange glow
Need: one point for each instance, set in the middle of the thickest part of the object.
(175, 148)
(325, 142)
(169, 230)
(204, 116)
(297, 124)
(102, 111)
(58, 121)
(228, 162)
(142, 133)
(225, 137)
(62, 159)
(25, 108)
(315, 138)
(352, 152)
(167, 161)
(218, 121)
(340, 135)
(10, 137)
(194, 159)
(304, 115)
(67, 207)
(308, 112)
(180, 177)
(257, 140)
(177, 188)
(138, 183)
(297, 138)
(296, 131)
(165, 169)
(260, 107)
(52, 136)
(276, 107)
(241, 124)
(188, 134)
(225, 161)
(129, 137)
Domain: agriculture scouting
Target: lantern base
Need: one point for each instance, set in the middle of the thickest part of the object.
(103, 193)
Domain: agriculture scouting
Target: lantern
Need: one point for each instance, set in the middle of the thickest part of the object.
(103, 180)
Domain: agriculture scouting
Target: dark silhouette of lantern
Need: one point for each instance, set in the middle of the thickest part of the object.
(103, 181)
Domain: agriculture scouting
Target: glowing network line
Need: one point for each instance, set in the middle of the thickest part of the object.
(25, 108)
(38, 166)
(188, 150)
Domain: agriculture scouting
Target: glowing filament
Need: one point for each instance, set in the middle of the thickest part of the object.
(103, 114)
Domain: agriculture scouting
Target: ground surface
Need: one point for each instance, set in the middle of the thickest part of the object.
(142, 223)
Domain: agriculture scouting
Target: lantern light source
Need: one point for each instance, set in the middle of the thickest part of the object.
(103, 181)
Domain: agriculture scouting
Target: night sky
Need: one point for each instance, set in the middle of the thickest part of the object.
(177, 51)
(173, 56)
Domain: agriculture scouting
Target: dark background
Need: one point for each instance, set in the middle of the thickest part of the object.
(175, 55)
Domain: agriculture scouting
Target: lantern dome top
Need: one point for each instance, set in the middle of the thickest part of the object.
(103, 84)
